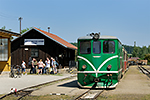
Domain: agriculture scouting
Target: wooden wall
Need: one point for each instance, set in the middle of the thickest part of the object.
(51, 48)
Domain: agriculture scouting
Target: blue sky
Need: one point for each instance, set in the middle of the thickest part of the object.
(129, 20)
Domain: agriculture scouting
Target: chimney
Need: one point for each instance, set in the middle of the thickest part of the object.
(48, 29)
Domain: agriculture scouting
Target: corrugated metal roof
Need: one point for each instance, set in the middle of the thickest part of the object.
(57, 39)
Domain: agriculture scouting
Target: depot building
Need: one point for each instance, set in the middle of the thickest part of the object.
(5, 50)
(39, 44)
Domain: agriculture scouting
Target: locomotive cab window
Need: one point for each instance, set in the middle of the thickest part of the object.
(96, 47)
(85, 47)
(109, 47)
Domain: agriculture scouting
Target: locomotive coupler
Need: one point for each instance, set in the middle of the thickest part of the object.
(109, 76)
(96, 80)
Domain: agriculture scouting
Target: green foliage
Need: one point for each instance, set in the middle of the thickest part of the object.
(4, 28)
(141, 52)
(147, 57)
(75, 44)
(24, 30)
(129, 49)
(137, 51)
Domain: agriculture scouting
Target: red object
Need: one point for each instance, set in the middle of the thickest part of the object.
(15, 90)
(84, 82)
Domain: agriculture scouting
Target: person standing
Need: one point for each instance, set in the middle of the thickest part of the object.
(23, 67)
(34, 64)
(47, 62)
(54, 66)
(51, 66)
(40, 66)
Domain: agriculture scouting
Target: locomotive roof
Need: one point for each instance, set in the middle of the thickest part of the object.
(101, 37)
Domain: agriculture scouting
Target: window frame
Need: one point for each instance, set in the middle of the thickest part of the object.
(34, 51)
(99, 48)
(87, 48)
(113, 47)
(4, 49)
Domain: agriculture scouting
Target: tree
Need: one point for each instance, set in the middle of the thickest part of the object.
(4, 28)
(129, 49)
(144, 51)
(149, 49)
(24, 30)
(75, 44)
(147, 57)
(136, 51)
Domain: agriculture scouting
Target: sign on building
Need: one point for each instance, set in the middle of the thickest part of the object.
(33, 41)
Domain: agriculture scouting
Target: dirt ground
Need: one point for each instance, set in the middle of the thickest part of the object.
(134, 85)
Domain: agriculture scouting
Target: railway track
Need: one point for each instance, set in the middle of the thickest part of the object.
(28, 90)
(89, 94)
(144, 71)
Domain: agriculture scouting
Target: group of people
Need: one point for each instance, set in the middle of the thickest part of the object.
(50, 64)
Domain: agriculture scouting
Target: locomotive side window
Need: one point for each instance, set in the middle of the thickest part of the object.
(109, 47)
(85, 47)
(96, 47)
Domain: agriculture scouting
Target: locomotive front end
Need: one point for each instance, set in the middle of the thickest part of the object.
(98, 59)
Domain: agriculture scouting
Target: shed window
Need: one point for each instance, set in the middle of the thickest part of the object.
(109, 47)
(85, 47)
(3, 49)
(34, 52)
(96, 47)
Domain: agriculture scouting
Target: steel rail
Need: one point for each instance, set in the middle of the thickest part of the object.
(97, 95)
(86, 92)
(78, 98)
(145, 69)
(35, 86)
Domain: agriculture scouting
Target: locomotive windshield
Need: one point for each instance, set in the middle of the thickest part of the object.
(96, 47)
(109, 47)
(85, 47)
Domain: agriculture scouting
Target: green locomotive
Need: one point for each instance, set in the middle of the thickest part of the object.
(101, 61)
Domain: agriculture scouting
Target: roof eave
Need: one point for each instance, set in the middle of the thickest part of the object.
(10, 32)
(51, 38)
(72, 48)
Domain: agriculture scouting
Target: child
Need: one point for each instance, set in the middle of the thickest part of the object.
(23, 67)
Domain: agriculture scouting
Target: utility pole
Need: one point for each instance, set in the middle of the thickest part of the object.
(20, 18)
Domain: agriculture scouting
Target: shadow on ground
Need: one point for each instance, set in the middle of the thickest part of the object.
(70, 84)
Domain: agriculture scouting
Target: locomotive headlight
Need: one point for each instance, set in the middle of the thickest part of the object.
(96, 36)
(109, 67)
(84, 67)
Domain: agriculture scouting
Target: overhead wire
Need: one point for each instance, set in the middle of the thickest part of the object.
(7, 16)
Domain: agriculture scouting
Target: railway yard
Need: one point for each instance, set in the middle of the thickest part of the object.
(134, 85)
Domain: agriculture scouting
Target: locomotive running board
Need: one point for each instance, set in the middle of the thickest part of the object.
(98, 71)
(98, 87)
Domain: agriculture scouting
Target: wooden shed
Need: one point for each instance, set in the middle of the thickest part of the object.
(5, 50)
(40, 44)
